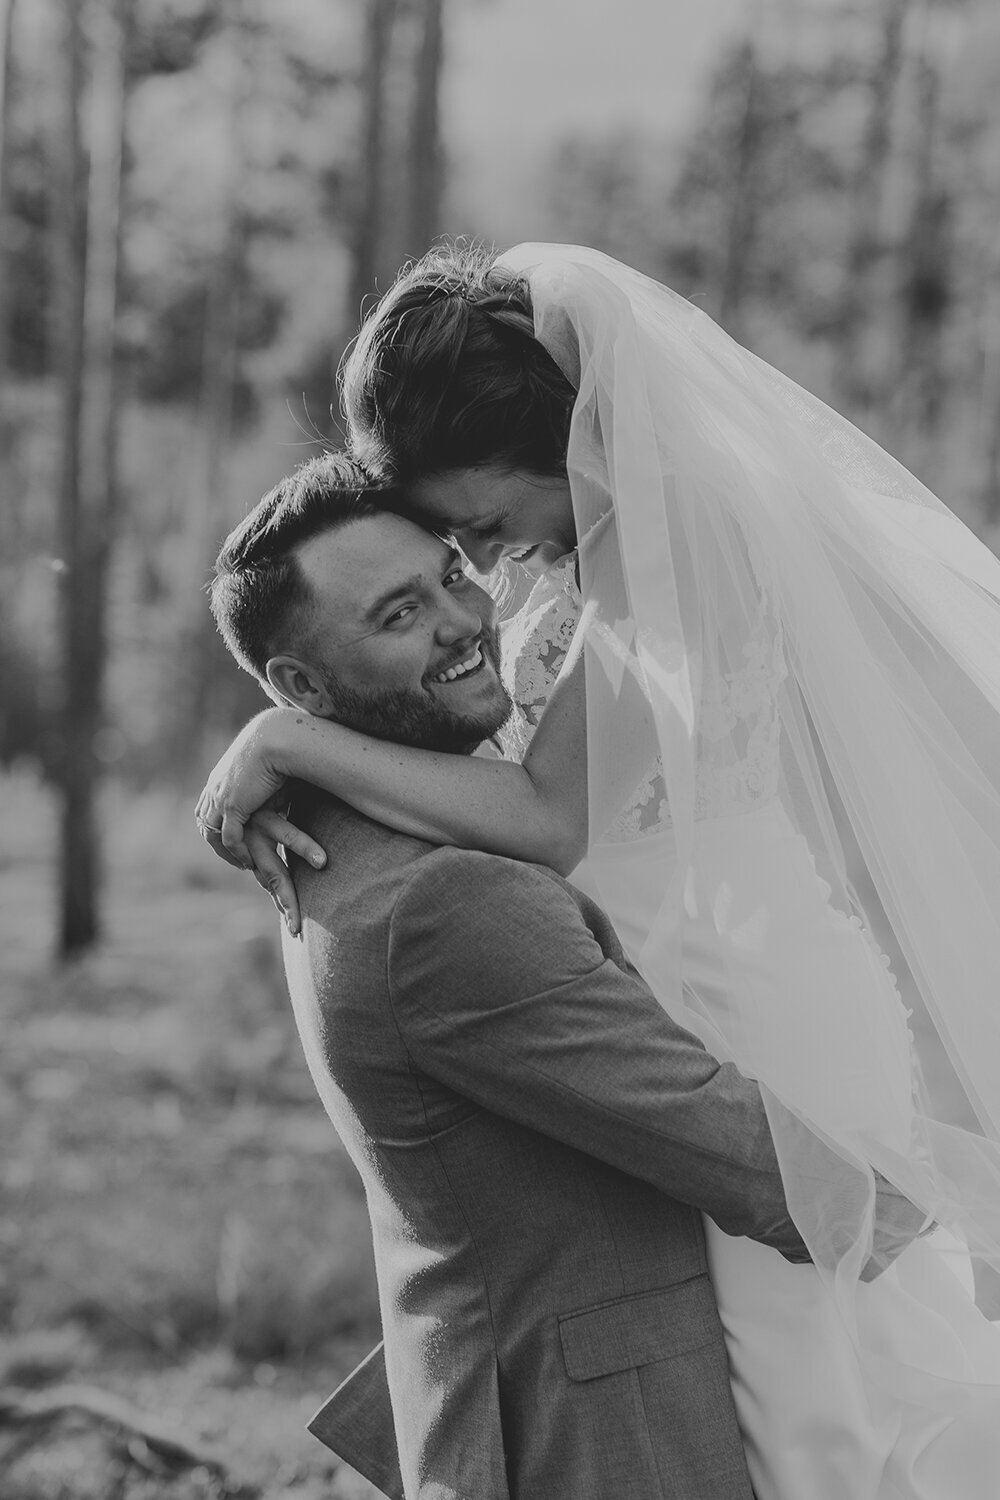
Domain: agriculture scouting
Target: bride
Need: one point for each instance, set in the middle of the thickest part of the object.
(758, 687)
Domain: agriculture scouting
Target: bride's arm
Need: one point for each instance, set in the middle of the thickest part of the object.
(535, 811)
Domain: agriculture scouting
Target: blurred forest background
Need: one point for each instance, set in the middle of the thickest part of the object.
(196, 198)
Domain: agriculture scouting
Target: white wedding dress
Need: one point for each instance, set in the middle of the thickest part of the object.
(762, 937)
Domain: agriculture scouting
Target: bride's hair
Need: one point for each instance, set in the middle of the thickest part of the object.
(446, 373)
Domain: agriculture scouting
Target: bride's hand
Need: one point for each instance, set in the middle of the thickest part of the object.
(265, 830)
(246, 779)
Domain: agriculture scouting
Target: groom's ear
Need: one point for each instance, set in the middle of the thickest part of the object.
(298, 684)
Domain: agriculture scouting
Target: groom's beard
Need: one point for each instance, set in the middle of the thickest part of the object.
(414, 716)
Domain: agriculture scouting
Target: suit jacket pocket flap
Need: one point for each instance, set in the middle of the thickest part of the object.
(639, 1330)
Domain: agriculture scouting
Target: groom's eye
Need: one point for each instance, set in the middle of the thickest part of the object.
(399, 615)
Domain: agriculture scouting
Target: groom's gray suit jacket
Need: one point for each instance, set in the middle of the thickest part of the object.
(536, 1137)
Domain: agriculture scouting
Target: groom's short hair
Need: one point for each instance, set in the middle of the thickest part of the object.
(259, 589)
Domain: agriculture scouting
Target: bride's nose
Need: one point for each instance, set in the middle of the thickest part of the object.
(483, 555)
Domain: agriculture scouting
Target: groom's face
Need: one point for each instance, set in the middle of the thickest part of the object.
(405, 643)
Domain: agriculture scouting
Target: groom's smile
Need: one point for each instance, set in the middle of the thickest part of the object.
(459, 669)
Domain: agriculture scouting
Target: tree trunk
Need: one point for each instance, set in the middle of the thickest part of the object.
(741, 219)
(207, 514)
(425, 164)
(859, 298)
(90, 252)
(222, 308)
(380, 17)
(7, 9)
(77, 913)
(990, 391)
(8, 424)
(925, 283)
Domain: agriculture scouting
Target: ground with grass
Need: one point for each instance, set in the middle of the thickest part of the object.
(179, 1225)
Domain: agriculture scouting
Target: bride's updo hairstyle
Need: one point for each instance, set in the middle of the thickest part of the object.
(447, 374)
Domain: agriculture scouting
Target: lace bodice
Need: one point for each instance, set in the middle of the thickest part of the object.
(534, 644)
(738, 725)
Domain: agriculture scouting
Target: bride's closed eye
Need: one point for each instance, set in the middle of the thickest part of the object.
(488, 530)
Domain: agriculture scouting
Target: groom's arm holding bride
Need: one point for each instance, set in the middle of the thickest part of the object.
(514, 1002)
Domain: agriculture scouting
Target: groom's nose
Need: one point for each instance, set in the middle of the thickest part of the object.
(459, 618)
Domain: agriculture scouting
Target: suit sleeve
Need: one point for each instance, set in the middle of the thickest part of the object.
(502, 992)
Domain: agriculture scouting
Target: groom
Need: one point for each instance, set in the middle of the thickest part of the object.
(536, 1137)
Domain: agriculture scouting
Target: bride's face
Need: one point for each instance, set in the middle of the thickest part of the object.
(495, 513)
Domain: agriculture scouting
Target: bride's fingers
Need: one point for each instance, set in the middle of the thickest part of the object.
(285, 833)
(271, 874)
(210, 828)
(232, 833)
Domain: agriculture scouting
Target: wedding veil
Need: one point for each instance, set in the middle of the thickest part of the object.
(719, 505)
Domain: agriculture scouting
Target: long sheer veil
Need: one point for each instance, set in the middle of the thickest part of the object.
(708, 488)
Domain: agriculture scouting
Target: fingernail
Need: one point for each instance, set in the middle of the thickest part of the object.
(318, 860)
